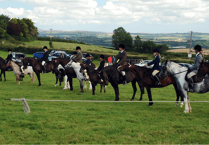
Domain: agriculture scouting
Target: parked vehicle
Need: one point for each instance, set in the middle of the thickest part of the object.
(58, 54)
(38, 55)
(16, 56)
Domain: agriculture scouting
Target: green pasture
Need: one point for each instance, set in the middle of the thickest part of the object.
(97, 123)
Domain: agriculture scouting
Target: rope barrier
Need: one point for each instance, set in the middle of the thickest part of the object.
(27, 108)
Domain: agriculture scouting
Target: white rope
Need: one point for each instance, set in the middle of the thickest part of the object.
(94, 101)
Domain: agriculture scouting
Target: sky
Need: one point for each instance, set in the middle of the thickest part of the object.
(135, 16)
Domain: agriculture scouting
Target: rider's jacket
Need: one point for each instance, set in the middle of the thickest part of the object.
(197, 62)
(156, 62)
(45, 56)
(122, 58)
(102, 64)
(78, 57)
(88, 61)
(9, 57)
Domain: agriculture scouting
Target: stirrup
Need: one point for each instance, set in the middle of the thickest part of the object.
(125, 83)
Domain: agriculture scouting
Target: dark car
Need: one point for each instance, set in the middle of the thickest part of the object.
(16, 56)
(38, 55)
(58, 54)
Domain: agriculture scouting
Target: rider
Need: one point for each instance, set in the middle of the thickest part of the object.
(9, 57)
(44, 59)
(79, 55)
(121, 60)
(156, 66)
(194, 69)
(21, 64)
(88, 60)
(102, 63)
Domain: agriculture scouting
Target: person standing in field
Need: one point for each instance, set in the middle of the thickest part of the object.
(113, 59)
(109, 61)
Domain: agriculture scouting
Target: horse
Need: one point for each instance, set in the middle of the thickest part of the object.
(37, 67)
(16, 70)
(179, 73)
(70, 72)
(112, 75)
(3, 68)
(93, 76)
(203, 71)
(144, 76)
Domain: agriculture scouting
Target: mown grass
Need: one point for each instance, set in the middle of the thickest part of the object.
(97, 123)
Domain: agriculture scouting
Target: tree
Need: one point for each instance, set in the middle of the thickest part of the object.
(162, 47)
(121, 36)
(148, 46)
(4, 20)
(2, 33)
(138, 44)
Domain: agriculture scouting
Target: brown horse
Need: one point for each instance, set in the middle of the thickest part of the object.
(144, 76)
(37, 67)
(3, 68)
(93, 76)
(203, 70)
(112, 75)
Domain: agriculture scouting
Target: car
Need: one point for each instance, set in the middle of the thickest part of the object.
(145, 62)
(16, 56)
(38, 55)
(58, 54)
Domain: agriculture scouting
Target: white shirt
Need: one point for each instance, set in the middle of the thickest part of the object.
(121, 51)
(197, 54)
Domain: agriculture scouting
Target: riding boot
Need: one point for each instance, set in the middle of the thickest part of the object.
(190, 81)
(158, 83)
(44, 68)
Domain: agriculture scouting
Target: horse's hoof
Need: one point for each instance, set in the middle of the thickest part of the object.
(64, 88)
(55, 85)
(116, 99)
(150, 104)
(186, 111)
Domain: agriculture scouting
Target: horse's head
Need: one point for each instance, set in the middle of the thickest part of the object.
(202, 71)
(164, 72)
(83, 67)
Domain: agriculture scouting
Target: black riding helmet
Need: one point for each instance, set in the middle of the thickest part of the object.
(87, 55)
(198, 48)
(45, 47)
(78, 48)
(9, 50)
(122, 46)
(22, 55)
(74, 52)
(156, 50)
(102, 56)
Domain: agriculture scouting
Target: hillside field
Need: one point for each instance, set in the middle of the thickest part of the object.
(97, 123)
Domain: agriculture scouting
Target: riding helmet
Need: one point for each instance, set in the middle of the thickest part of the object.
(87, 55)
(22, 55)
(198, 48)
(102, 56)
(122, 46)
(74, 52)
(156, 50)
(45, 47)
(78, 48)
(9, 50)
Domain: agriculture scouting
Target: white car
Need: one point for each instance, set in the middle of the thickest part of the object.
(145, 62)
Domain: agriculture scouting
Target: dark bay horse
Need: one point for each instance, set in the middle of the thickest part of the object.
(112, 75)
(37, 67)
(3, 68)
(203, 71)
(144, 76)
(93, 76)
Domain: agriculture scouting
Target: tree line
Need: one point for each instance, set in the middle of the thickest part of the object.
(19, 29)
(121, 36)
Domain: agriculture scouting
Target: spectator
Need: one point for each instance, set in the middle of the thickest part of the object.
(113, 59)
(109, 61)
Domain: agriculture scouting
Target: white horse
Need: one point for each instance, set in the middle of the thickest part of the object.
(17, 72)
(179, 73)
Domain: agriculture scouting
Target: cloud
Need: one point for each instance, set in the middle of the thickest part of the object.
(75, 12)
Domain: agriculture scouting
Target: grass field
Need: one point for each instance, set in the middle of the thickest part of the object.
(97, 123)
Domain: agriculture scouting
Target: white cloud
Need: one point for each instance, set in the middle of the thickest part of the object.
(74, 12)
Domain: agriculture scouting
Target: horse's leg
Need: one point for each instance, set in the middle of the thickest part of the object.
(105, 88)
(93, 88)
(85, 86)
(81, 85)
(90, 86)
(142, 91)
(4, 76)
(60, 81)
(0, 76)
(134, 88)
(39, 79)
(56, 81)
(190, 108)
(100, 88)
(71, 82)
(149, 96)
(115, 86)
(177, 94)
